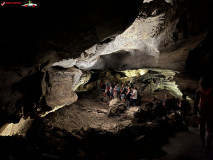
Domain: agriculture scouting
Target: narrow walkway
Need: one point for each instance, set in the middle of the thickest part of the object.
(185, 146)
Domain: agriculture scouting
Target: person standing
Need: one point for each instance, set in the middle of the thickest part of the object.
(203, 111)
(167, 102)
(123, 93)
(110, 92)
(113, 85)
(103, 88)
(118, 91)
(184, 107)
(100, 86)
(128, 95)
(115, 92)
(134, 96)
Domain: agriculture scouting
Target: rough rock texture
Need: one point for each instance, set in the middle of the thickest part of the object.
(59, 88)
(86, 113)
(160, 31)
(89, 112)
(172, 34)
(21, 128)
(20, 91)
(116, 107)
(83, 130)
(8, 97)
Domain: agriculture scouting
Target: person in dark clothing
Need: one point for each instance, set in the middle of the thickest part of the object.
(123, 93)
(175, 103)
(128, 95)
(184, 107)
(103, 88)
(113, 85)
(203, 111)
(139, 99)
(184, 104)
(166, 102)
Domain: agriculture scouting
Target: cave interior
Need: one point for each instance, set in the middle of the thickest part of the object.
(54, 56)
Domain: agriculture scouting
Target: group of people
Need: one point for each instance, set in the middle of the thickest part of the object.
(126, 94)
(176, 104)
(130, 96)
(203, 104)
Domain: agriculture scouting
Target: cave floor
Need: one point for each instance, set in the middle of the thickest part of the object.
(182, 145)
(88, 112)
(185, 145)
(82, 131)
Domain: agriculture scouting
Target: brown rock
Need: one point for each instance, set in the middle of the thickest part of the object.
(59, 88)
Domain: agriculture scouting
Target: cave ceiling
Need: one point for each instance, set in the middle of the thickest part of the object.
(161, 36)
(87, 34)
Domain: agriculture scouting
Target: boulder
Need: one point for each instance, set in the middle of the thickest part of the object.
(57, 88)
(114, 102)
(116, 107)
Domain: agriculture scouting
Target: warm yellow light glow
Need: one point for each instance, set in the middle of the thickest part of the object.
(143, 71)
(83, 80)
(53, 110)
(21, 128)
(135, 72)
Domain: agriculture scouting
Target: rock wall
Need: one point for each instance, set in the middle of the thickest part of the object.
(58, 88)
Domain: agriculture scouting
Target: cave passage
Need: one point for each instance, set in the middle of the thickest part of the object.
(52, 105)
(147, 80)
(96, 125)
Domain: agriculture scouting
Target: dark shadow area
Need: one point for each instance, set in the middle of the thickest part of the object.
(53, 25)
(199, 61)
